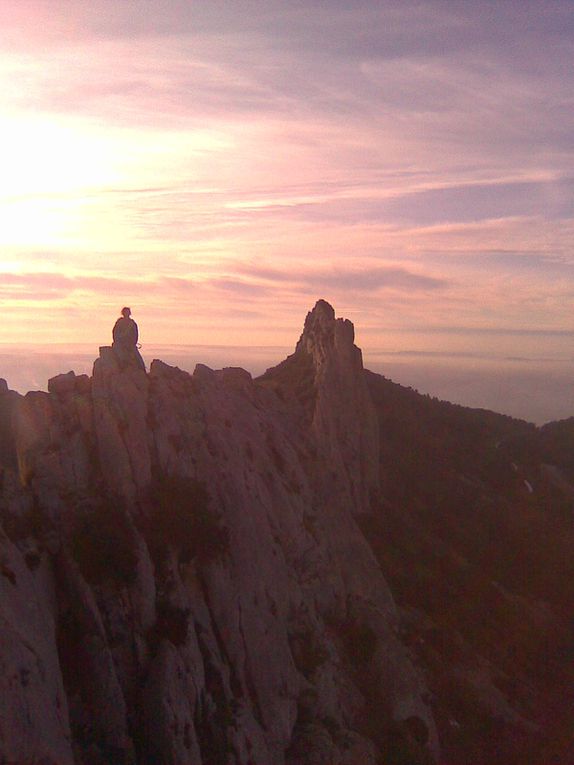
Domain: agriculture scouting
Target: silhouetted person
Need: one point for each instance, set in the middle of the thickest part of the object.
(125, 335)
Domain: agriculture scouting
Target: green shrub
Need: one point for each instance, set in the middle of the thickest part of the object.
(183, 519)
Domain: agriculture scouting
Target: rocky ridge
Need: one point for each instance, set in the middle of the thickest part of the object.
(183, 576)
(316, 567)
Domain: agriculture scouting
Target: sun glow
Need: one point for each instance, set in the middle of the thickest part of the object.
(43, 157)
(48, 170)
(67, 182)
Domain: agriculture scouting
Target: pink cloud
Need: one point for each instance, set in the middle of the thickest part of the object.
(261, 159)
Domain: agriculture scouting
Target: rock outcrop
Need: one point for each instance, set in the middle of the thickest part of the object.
(316, 567)
(195, 588)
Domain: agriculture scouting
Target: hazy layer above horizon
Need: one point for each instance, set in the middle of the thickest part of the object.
(534, 389)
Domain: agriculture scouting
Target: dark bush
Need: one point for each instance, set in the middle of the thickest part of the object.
(183, 519)
(308, 651)
(360, 642)
(30, 523)
(172, 624)
(104, 544)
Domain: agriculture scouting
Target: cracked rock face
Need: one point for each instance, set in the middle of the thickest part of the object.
(184, 579)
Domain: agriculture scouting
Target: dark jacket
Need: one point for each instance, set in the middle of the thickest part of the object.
(125, 331)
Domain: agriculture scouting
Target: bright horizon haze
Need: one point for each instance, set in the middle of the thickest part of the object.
(220, 166)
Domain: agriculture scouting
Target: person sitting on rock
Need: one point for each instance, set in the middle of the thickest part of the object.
(125, 335)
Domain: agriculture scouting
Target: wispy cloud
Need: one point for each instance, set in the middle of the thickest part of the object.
(366, 279)
(37, 285)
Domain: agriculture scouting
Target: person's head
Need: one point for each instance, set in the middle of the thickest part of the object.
(126, 312)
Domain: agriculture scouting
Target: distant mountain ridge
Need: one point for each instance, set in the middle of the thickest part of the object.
(318, 566)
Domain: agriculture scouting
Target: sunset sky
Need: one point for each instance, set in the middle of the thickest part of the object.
(220, 165)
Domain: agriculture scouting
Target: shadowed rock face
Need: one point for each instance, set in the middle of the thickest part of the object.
(195, 568)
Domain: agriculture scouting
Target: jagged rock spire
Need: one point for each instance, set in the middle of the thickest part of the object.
(323, 334)
(343, 419)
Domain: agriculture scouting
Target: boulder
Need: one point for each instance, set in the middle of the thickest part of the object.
(62, 384)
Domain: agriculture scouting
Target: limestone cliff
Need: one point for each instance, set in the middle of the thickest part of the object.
(316, 567)
(183, 576)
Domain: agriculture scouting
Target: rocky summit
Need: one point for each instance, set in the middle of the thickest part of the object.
(315, 567)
